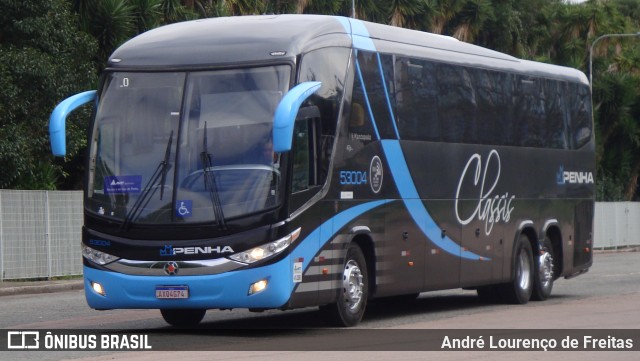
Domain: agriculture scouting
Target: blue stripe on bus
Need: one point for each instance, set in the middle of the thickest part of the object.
(409, 194)
(327, 231)
(396, 160)
(358, 33)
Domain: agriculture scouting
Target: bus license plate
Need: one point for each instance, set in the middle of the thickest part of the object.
(172, 292)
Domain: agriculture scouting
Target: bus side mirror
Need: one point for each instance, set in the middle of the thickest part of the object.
(285, 115)
(59, 116)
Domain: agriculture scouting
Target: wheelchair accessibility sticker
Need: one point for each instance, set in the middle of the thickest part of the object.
(184, 208)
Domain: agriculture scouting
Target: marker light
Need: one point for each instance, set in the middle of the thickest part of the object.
(96, 256)
(258, 287)
(266, 250)
(98, 288)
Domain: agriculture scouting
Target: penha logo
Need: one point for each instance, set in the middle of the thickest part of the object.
(169, 250)
(565, 177)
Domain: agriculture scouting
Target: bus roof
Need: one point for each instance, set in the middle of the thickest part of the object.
(265, 38)
(225, 40)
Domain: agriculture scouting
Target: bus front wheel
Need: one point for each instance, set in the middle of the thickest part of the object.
(352, 297)
(183, 317)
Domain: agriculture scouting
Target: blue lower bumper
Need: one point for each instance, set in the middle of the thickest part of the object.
(227, 290)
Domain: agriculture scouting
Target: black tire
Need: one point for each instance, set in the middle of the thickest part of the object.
(544, 273)
(519, 290)
(352, 298)
(183, 317)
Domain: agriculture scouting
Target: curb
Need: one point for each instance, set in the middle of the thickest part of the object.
(44, 288)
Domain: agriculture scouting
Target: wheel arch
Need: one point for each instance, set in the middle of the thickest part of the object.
(364, 240)
(527, 229)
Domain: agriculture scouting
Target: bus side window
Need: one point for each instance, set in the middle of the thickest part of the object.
(306, 153)
(457, 105)
(580, 122)
(305, 150)
(301, 179)
(417, 99)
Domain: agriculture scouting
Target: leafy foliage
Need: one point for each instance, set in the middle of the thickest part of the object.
(43, 59)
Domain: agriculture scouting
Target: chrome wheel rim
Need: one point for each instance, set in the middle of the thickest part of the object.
(352, 285)
(524, 270)
(545, 272)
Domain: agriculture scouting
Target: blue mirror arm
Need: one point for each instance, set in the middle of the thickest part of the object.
(59, 117)
(285, 115)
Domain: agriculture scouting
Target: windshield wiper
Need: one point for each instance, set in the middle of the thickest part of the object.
(150, 188)
(210, 181)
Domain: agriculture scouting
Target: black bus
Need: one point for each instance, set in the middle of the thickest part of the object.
(279, 162)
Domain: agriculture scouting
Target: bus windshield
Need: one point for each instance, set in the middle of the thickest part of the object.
(186, 147)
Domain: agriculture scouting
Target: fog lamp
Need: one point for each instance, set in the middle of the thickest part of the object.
(258, 287)
(97, 288)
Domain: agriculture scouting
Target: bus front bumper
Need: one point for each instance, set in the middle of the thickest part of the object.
(225, 290)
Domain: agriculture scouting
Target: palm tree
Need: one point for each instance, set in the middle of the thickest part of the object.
(147, 14)
(505, 31)
(412, 14)
(444, 12)
(111, 22)
(371, 10)
(471, 18)
(617, 97)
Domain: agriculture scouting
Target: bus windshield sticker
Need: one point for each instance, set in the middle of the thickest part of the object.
(184, 208)
(124, 184)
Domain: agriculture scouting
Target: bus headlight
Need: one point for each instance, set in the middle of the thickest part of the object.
(266, 250)
(96, 256)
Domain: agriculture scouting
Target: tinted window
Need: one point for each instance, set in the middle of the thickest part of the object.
(451, 103)
(417, 99)
(379, 88)
(329, 66)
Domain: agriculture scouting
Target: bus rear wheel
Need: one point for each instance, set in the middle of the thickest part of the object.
(519, 290)
(183, 317)
(352, 298)
(544, 273)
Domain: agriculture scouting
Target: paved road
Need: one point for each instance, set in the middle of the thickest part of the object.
(606, 297)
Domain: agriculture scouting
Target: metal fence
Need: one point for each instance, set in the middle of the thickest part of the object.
(617, 225)
(40, 232)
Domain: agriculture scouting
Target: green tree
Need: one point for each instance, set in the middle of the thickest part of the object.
(43, 59)
(147, 14)
(412, 14)
(444, 12)
(471, 18)
(111, 22)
